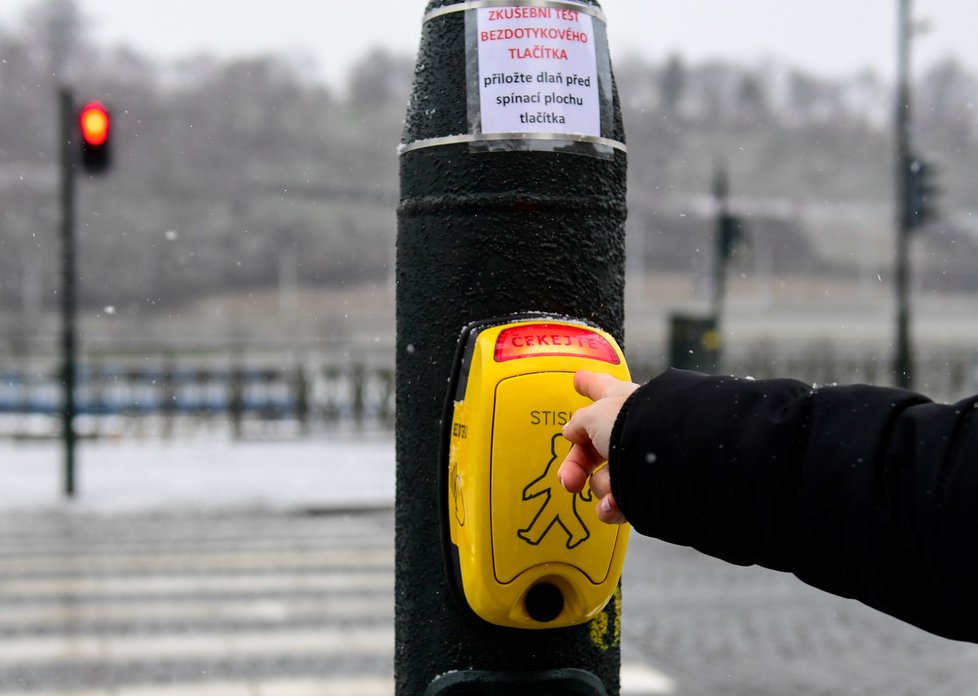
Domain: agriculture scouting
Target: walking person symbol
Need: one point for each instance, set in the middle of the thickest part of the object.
(559, 507)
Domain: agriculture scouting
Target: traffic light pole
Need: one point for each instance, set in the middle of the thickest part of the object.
(721, 190)
(490, 229)
(903, 359)
(68, 308)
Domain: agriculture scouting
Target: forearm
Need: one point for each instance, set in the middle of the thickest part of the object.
(847, 487)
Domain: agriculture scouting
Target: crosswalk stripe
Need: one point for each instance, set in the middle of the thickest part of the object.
(637, 680)
(642, 680)
(363, 686)
(372, 558)
(78, 587)
(320, 642)
(166, 611)
(334, 686)
(140, 536)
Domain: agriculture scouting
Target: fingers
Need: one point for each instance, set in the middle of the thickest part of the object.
(601, 482)
(599, 385)
(577, 467)
(589, 431)
(591, 426)
(608, 511)
(607, 508)
(573, 477)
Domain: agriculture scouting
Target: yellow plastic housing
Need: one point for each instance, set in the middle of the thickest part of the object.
(529, 554)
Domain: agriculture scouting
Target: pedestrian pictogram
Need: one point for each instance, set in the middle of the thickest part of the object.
(559, 508)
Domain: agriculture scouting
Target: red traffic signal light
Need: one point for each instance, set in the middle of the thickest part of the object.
(94, 123)
(95, 126)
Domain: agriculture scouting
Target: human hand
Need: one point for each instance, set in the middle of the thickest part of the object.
(589, 429)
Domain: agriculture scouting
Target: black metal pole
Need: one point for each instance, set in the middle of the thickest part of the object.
(68, 308)
(483, 234)
(721, 189)
(903, 359)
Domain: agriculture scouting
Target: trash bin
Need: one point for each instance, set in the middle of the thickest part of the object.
(694, 343)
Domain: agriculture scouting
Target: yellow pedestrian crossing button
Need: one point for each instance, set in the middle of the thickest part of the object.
(522, 550)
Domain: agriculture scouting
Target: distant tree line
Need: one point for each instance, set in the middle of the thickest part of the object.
(240, 175)
(789, 133)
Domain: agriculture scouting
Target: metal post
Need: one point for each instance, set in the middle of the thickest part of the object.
(721, 189)
(483, 234)
(236, 405)
(903, 359)
(68, 307)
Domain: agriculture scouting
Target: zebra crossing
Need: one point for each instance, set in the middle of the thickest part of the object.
(222, 605)
(216, 604)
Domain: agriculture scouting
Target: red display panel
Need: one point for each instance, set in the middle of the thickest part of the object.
(553, 340)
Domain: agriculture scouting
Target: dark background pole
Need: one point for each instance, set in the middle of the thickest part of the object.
(903, 359)
(482, 235)
(68, 333)
(721, 190)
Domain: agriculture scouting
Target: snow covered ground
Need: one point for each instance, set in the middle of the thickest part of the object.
(137, 475)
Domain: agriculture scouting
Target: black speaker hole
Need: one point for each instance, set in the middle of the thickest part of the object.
(544, 602)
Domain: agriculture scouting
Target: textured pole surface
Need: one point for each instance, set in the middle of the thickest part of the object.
(482, 235)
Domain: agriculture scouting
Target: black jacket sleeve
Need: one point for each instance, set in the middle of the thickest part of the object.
(866, 492)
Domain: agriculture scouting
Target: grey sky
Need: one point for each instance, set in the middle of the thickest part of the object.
(831, 37)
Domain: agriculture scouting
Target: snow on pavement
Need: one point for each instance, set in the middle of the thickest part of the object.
(138, 475)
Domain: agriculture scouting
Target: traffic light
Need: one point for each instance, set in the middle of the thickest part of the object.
(732, 235)
(921, 194)
(96, 137)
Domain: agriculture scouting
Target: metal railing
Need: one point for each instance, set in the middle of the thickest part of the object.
(170, 398)
(116, 398)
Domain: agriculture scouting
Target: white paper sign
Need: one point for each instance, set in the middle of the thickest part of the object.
(538, 71)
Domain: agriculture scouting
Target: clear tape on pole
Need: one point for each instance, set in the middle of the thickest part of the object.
(505, 141)
(478, 4)
(538, 79)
